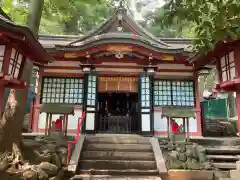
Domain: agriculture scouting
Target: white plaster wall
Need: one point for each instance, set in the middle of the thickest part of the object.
(72, 120)
(160, 124)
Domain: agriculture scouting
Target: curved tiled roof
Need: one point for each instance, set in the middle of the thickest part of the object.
(128, 20)
(122, 38)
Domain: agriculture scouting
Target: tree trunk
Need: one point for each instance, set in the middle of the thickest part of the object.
(34, 15)
(13, 117)
(12, 120)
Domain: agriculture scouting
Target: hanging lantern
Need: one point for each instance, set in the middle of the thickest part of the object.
(150, 69)
(87, 68)
(11, 65)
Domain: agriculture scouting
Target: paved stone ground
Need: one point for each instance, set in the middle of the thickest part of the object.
(121, 178)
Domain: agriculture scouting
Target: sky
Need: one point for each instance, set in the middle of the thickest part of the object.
(149, 5)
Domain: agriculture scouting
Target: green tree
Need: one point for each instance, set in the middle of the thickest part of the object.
(214, 20)
(153, 22)
(65, 16)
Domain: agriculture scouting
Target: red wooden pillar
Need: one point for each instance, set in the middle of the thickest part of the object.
(1, 100)
(237, 65)
(238, 108)
(198, 106)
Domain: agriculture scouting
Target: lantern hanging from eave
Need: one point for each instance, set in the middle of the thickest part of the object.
(11, 66)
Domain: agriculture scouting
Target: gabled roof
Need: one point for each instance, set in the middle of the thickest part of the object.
(122, 18)
(124, 38)
(39, 53)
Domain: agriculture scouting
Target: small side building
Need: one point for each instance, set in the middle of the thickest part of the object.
(226, 58)
(18, 48)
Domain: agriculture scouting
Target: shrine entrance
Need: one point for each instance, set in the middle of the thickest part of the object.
(117, 105)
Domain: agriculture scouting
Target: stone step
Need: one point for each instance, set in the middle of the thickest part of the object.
(100, 177)
(116, 155)
(224, 165)
(223, 150)
(227, 158)
(118, 147)
(117, 164)
(117, 139)
(116, 172)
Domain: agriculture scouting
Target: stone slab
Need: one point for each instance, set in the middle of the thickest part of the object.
(189, 175)
(161, 165)
(72, 167)
(116, 178)
(117, 164)
(115, 155)
(235, 174)
(225, 165)
(118, 147)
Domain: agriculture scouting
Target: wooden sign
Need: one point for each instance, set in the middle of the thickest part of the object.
(167, 58)
(70, 55)
(117, 79)
(117, 84)
(119, 48)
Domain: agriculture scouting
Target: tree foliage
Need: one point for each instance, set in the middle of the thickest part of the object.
(214, 20)
(63, 17)
(178, 30)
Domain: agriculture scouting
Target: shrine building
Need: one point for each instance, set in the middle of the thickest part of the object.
(122, 76)
(224, 57)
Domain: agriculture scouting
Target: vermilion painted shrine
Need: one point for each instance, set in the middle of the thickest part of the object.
(123, 77)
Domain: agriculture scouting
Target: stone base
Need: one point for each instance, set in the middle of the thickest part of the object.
(235, 175)
(190, 175)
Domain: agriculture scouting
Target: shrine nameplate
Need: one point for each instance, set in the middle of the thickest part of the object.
(117, 84)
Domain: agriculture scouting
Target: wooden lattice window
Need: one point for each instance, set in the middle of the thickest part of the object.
(145, 92)
(228, 67)
(62, 90)
(162, 93)
(174, 93)
(2, 51)
(91, 90)
(15, 63)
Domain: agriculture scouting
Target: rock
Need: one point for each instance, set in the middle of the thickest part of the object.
(207, 166)
(193, 164)
(56, 160)
(174, 155)
(3, 165)
(30, 175)
(201, 153)
(175, 164)
(42, 175)
(182, 157)
(189, 152)
(59, 176)
(45, 157)
(181, 147)
(49, 168)
(62, 152)
(195, 155)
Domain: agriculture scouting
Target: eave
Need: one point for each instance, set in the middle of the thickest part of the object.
(41, 56)
(10, 82)
(120, 38)
(220, 49)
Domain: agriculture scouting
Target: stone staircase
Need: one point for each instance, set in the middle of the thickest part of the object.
(224, 151)
(223, 157)
(117, 157)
